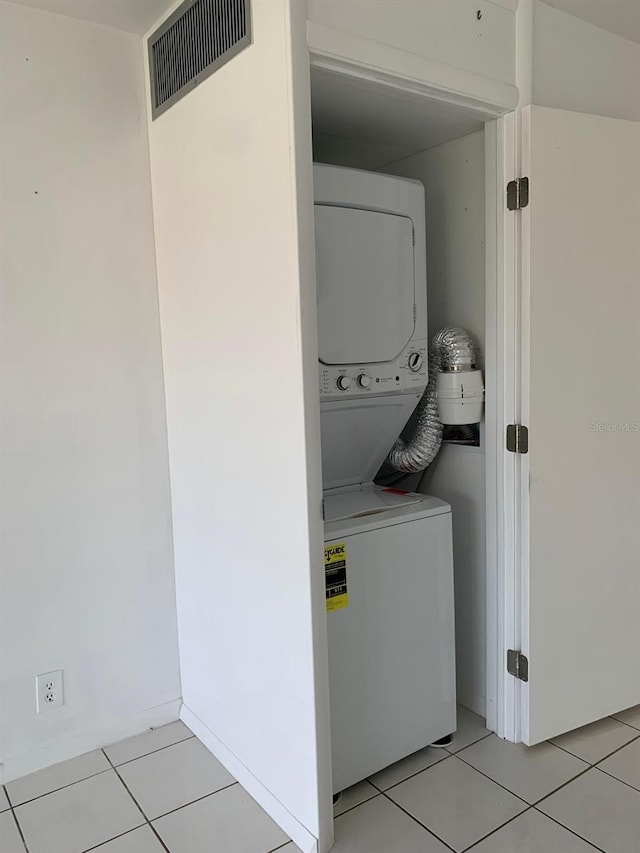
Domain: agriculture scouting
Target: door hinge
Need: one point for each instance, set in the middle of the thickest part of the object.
(413, 235)
(517, 438)
(322, 508)
(518, 194)
(517, 665)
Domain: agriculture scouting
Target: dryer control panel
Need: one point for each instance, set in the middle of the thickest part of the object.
(407, 373)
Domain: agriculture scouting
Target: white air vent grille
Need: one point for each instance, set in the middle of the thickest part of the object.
(196, 40)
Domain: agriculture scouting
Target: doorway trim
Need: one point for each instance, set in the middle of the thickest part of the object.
(502, 348)
(504, 493)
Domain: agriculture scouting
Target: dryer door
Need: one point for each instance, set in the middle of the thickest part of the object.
(365, 284)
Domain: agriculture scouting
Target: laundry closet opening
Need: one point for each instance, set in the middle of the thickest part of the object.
(363, 125)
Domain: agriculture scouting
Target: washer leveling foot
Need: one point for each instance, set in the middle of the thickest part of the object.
(447, 740)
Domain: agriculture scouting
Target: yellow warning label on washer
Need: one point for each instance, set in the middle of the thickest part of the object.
(335, 573)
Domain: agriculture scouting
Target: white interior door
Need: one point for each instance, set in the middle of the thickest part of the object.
(580, 245)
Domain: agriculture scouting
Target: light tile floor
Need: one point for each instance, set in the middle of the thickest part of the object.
(162, 791)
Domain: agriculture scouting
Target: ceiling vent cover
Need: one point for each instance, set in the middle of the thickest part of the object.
(196, 40)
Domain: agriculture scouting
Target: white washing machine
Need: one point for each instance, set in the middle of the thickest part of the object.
(391, 649)
(388, 553)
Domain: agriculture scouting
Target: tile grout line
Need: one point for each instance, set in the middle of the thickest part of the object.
(568, 829)
(493, 831)
(411, 776)
(171, 811)
(420, 824)
(152, 752)
(560, 787)
(532, 809)
(564, 784)
(610, 717)
(555, 791)
(637, 728)
(446, 754)
(611, 776)
(529, 806)
(572, 754)
(15, 819)
(62, 787)
(361, 803)
(480, 840)
(197, 800)
(115, 838)
(583, 772)
(544, 814)
(424, 826)
(435, 764)
(92, 775)
(604, 757)
(148, 822)
(499, 784)
(473, 743)
(616, 751)
(535, 804)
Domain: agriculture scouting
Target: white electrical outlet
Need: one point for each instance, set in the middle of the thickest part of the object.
(49, 691)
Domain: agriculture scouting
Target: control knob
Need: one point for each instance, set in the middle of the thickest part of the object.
(343, 383)
(364, 381)
(415, 361)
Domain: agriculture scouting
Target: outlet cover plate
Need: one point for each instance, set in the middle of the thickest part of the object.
(49, 691)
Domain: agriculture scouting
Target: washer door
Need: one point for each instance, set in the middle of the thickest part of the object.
(366, 284)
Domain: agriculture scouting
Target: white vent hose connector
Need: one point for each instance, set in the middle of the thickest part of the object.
(451, 350)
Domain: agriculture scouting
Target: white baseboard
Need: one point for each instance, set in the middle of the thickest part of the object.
(298, 833)
(103, 735)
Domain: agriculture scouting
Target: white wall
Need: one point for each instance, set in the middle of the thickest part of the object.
(368, 154)
(458, 476)
(86, 565)
(449, 33)
(231, 172)
(583, 68)
(454, 178)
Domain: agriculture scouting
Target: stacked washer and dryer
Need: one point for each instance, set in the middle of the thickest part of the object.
(388, 553)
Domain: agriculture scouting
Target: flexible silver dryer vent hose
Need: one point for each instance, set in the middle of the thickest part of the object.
(451, 349)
